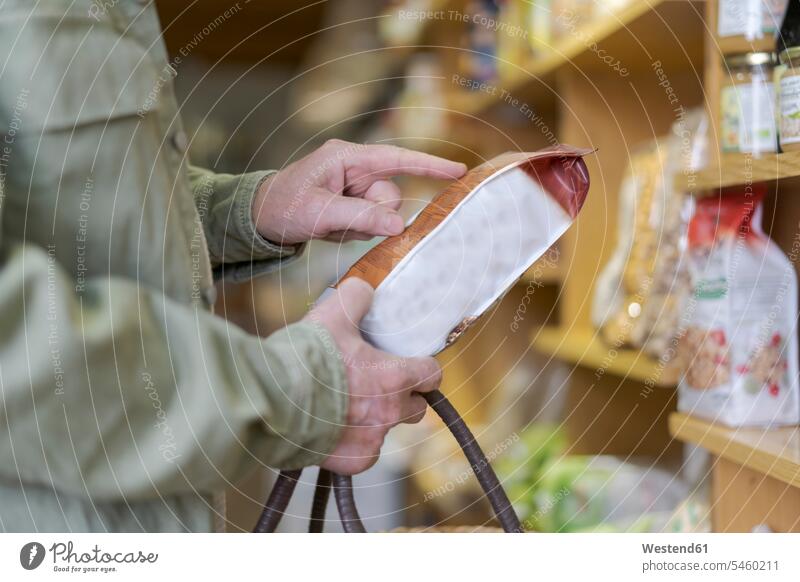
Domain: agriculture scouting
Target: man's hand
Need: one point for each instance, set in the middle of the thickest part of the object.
(384, 389)
(342, 191)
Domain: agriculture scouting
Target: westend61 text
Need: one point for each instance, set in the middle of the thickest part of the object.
(675, 549)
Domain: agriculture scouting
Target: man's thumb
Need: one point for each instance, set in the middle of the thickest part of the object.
(355, 298)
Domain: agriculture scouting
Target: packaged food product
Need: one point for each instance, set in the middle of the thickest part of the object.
(747, 104)
(740, 346)
(749, 19)
(789, 34)
(512, 36)
(655, 330)
(420, 109)
(479, 62)
(404, 21)
(541, 26)
(468, 247)
(624, 283)
(789, 99)
(609, 295)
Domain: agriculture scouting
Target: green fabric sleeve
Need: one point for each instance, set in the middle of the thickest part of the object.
(118, 391)
(225, 202)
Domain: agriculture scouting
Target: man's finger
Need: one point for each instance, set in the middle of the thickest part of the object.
(414, 409)
(424, 374)
(343, 213)
(346, 236)
(383, 161)
(386, 193)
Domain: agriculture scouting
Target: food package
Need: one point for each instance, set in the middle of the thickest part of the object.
(655, 330)
(479, 61)
(609, 295)
(740, 344)
(421, 108)
(624, 284)
(512, 38)
(541, 27)
(751, 19)
(638, 296)
(467, 247)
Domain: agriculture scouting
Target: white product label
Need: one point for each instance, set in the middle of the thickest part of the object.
(741, 18)
(741, 334)
(748, 117)
(790, 109)
(773, 14)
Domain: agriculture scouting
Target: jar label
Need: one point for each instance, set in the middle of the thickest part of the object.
(748, 117)
(749, 18)
(790, 109)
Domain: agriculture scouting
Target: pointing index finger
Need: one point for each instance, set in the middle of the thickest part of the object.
(388, 160)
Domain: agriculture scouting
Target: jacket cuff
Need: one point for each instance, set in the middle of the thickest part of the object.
(255, 255)
(246, 270)
(245, 229)
(318, 391)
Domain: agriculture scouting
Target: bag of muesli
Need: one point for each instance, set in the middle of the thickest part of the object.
(740, 337)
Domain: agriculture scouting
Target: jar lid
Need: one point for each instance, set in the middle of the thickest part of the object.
(790, 54)
(751, 60)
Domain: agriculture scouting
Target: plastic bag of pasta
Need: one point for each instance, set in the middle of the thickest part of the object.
(639, 294)
(468, 247)
(740, 344)
(624, 285)
(654, 331)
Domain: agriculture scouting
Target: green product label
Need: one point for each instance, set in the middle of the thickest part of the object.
(711, 288)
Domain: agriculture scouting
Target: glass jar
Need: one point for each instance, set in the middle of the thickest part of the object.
(749, 19)
(789, 99)
(747, 104)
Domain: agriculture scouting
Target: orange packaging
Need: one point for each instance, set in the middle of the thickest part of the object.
(468, 247)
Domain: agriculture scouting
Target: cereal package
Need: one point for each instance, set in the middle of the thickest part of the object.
(740, 338)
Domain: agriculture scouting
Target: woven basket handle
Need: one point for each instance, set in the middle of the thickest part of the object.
(342, 485)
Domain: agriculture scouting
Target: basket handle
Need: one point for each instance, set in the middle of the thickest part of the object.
(278, 499)
(495, 494)
(342, 485)
(321, 494)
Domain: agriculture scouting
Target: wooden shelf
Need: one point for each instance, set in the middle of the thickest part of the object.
(738, 45)
(585, 348)
(772, 452)
(738, 169)
(628, 30)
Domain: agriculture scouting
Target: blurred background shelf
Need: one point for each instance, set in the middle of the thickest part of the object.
(584, 348)
(738, 169)
(773, 452)
(401, 29)
(639, 25)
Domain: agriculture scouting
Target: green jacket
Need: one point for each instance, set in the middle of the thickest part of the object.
(125, 404)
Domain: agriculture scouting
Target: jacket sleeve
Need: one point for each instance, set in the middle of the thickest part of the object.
(224, 202)
(117, 390)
